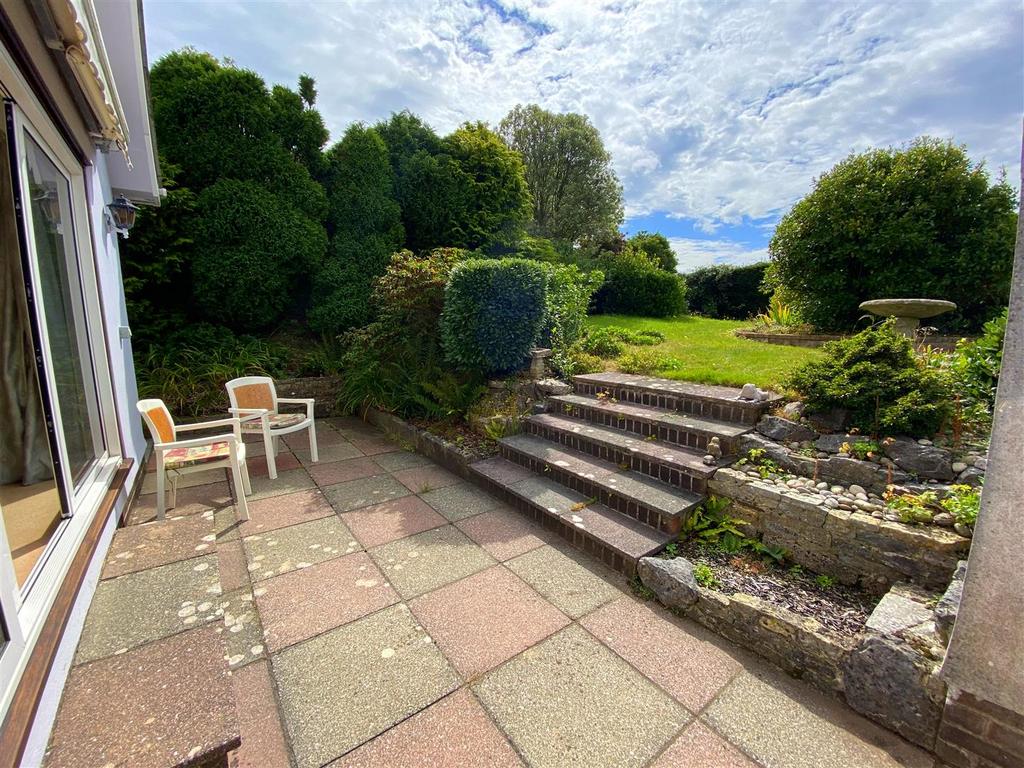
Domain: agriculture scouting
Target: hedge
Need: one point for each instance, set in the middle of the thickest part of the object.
(494, 310)
(727, 292)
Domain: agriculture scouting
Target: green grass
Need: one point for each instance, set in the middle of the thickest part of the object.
(711, 354)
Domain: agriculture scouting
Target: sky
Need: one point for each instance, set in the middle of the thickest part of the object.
(718, 115)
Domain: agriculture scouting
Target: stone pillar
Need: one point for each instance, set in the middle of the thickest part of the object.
(538, 368)
(983, 721)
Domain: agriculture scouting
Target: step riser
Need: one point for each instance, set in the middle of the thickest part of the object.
(675, 476)
(684, 438)
(579, 539)
(738, 412)
(616, 501)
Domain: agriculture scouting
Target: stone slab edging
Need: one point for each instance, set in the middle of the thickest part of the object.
(851, 546)
(814, 340)
(887, 672)
(430, 445)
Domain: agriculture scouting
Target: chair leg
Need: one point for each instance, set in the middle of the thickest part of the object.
(270, 450)
(246, 483)
(161, 493)
(240, 501)
(312, 442)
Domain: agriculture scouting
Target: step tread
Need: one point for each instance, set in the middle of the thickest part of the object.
(654, 450)
(652, 493)
(659, 415)
(627, 536)
(671, 386)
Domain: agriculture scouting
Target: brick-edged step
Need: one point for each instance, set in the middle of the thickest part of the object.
(671, 426)
(631, 493)
(671, 464)
(719, 403)
(615, 539)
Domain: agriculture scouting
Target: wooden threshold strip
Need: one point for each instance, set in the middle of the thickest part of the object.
(18, 722)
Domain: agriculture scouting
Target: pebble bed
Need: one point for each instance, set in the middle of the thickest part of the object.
(840, 610)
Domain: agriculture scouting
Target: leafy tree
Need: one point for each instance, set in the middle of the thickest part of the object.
(307, 89)
(365, 224)
(216, 121)
(635, 285)
(577, 197)
(918, 222)
(656, 246)
(300, 128)
(251, 255)
(405, 135)
(471, 194)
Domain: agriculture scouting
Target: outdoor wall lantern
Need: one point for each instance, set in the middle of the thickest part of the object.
(122, 215)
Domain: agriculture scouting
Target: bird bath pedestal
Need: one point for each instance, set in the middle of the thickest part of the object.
(908, 312)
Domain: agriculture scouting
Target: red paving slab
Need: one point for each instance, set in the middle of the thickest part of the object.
(700, 747)
(453, 733)
(299, 441)
(232, 565)
(690, 669)
(504, 533)
(289, 509)
(373, 444)
(392, 520)
(342, 471)
(423, 479)
(139, 547)
(158, 705)
(263, 740)
(306, 602)
(486, 619)
(191, 501)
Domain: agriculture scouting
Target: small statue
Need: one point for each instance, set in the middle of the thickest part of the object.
(749, 392)
(715, 448)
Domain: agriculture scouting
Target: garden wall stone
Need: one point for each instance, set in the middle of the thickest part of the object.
(324, 389)
(814, 340)
(851, 546)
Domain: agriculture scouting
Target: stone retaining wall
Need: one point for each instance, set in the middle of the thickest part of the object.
(853, 547)
(814, 340)
(430, 445)
(325, 389)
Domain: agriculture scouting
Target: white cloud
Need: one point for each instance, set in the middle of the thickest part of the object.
(692, 253)
(717, 112)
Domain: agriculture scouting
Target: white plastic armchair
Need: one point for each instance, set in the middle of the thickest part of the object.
(175, 457)
(255, 402)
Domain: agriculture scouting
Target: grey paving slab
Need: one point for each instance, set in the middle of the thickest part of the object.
(428, 560)
(575, 588)
(355, 494)
(788, 725)
(288, 481)
(297, 546)
(147, 605)
(457, 502)
(399, 460)
(327, 453)
(569, 701)
(345, 686)
(239, 625)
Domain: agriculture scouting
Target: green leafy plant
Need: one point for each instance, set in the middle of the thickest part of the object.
(876, 377)
(727, 291)
(861, 449)
(778, 315)
(636, 285)
(704, 576)
(640, 589)
(671, 550)
(824, 582)
(912, 508)
(603, 342)
(647, 361)
(964, 503)
(758, 459)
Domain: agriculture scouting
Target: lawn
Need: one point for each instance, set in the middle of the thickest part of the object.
(711, 354)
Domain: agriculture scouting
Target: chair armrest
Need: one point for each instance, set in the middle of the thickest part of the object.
(195, 442)
(234, 423)
(309, 402)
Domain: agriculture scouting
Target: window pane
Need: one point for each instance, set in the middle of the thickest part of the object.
(64, 310)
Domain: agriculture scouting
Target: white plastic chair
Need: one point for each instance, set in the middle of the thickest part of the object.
(255, 402)
(176, 457)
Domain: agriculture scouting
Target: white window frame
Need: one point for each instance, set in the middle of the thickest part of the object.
(25, 609)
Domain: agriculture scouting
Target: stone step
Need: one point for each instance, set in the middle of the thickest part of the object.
(632, 493)
(671, 464)
(719, 403)
(617, 540)
(671, 426)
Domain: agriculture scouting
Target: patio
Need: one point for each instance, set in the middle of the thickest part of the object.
(376, 610)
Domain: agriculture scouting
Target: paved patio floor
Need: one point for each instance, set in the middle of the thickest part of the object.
(378, 611)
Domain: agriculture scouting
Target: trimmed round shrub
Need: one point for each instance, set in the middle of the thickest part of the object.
(634, 285)
(251, 251)
(726, 291)
(493, 312)
(920, 222)
(878, 380)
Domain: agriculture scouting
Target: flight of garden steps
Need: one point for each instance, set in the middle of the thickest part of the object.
(616, 466)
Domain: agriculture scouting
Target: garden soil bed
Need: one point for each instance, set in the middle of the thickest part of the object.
(471, 443)
(842, 611)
